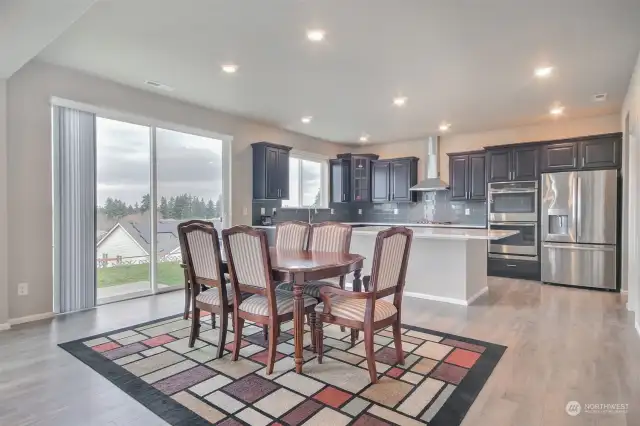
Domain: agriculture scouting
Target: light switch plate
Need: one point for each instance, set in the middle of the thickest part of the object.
(359, 211)
(273, 211)
(23, 289)
(331, 211)
(467, 212)
(263, 210)
(395, 211)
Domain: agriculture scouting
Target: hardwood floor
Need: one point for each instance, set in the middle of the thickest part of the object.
(563, 344)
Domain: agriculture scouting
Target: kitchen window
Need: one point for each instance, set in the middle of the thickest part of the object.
(308, 181)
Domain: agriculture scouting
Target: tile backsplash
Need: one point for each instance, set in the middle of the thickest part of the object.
(435, 206)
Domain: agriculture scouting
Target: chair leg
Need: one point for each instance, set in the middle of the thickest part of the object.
(342, 279)
(187, 299)
(237, 328)
(354, 336)
(195, 326)
(371, 356)
(273, 342)
(312, 327)
(397, 341)
(222, 333)
(213, 320)
(319, 337)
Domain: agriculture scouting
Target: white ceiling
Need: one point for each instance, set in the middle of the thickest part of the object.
(468, 62)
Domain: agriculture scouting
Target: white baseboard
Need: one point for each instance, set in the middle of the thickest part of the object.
(31, 318)
(5, 326)
(447, 299)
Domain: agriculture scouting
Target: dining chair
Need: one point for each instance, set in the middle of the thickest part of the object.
(331, 237)
(204, 267)
(367, 310)
(249, 263)
(292, 235)
(183, 264)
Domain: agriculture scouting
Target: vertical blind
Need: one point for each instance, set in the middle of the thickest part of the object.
(74, 187)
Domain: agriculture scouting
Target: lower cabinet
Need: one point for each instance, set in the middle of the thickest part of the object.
(513, 268)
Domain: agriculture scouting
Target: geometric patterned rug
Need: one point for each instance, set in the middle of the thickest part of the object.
(442, 376)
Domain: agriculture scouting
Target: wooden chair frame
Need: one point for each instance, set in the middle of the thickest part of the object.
(369, 325)
(187, 284)
(197, 283)
(273, 320)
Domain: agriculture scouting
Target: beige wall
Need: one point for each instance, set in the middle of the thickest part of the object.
(29, 155)
(631, 193)
(472, 141)
(4, 307)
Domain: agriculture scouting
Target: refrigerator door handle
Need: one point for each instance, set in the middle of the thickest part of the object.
(585, 247)
(579, 208)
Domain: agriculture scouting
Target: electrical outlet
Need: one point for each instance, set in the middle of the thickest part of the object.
(467, 212)
(273, 211)
(23, 289)
(263, 211)
(245, 211)
(331, 211)
(360, 211)
(395, 211)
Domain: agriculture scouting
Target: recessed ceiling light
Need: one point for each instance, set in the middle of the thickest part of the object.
(364, 138)
(543, 72)
(229, 68)
(556, 110)
(400, 100)
(316, 35)
(445, 126)
(306, 119)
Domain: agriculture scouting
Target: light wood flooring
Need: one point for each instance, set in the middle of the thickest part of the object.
(563, 344)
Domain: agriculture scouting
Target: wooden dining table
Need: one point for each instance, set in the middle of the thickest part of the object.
(300, 267)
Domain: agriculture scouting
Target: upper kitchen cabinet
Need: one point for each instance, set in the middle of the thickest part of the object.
(270, 171)
(513, 163)
(340, 180)
(592, 152)
(467, 176)
(391, 180)
(359, 176)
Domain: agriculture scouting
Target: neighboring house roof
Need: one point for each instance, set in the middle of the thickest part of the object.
(140, 233)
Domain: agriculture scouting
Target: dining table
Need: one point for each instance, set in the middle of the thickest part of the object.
(302, 266)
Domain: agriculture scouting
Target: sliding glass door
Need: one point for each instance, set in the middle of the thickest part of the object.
(148, 180)
(123, 215)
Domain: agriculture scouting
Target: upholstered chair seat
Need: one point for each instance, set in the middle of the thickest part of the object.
(212, 296)
(259, 305)
(354, 309)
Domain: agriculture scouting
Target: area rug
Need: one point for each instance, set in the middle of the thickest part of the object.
(152, 362)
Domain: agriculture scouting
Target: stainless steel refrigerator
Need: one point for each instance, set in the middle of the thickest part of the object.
(579, 226)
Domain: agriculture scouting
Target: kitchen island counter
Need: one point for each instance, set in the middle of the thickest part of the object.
(443, 233)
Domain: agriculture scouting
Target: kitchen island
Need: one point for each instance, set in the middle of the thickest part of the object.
(445, 264)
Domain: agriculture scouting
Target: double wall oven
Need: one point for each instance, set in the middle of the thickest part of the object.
(513, 206)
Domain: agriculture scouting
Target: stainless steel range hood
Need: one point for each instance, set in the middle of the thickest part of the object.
(432, 181)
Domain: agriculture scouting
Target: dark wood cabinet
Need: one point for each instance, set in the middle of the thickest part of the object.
(340, 180)
(559, 156)
(467, 176)
(270, 171)
(404, 175)
(591, 152)
(499, 165)
(359, 176)
(512, 164)
(477, 176)
(392, 179)
(380, 181)
(601, 153)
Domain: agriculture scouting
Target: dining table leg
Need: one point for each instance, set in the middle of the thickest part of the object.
(357, 286)
(298, 319)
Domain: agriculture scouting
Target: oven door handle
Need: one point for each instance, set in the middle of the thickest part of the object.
(514, 223)
(512, 191)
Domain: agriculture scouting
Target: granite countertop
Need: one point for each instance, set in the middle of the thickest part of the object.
(443, 233)
(412, 225)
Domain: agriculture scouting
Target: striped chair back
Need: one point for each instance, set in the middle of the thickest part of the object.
(292, 235)
(201, 251)
(390, 258)
(330, 237)
(248, 259)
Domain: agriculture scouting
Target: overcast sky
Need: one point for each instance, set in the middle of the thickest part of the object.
(186, 163)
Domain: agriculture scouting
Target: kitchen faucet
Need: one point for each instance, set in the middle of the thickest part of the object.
(315, 211)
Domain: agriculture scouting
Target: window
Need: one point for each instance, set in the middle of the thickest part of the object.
(308, 182)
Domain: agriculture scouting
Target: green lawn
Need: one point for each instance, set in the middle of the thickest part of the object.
(169, 273)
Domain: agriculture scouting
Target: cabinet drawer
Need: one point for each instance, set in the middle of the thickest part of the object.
(513, 268)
